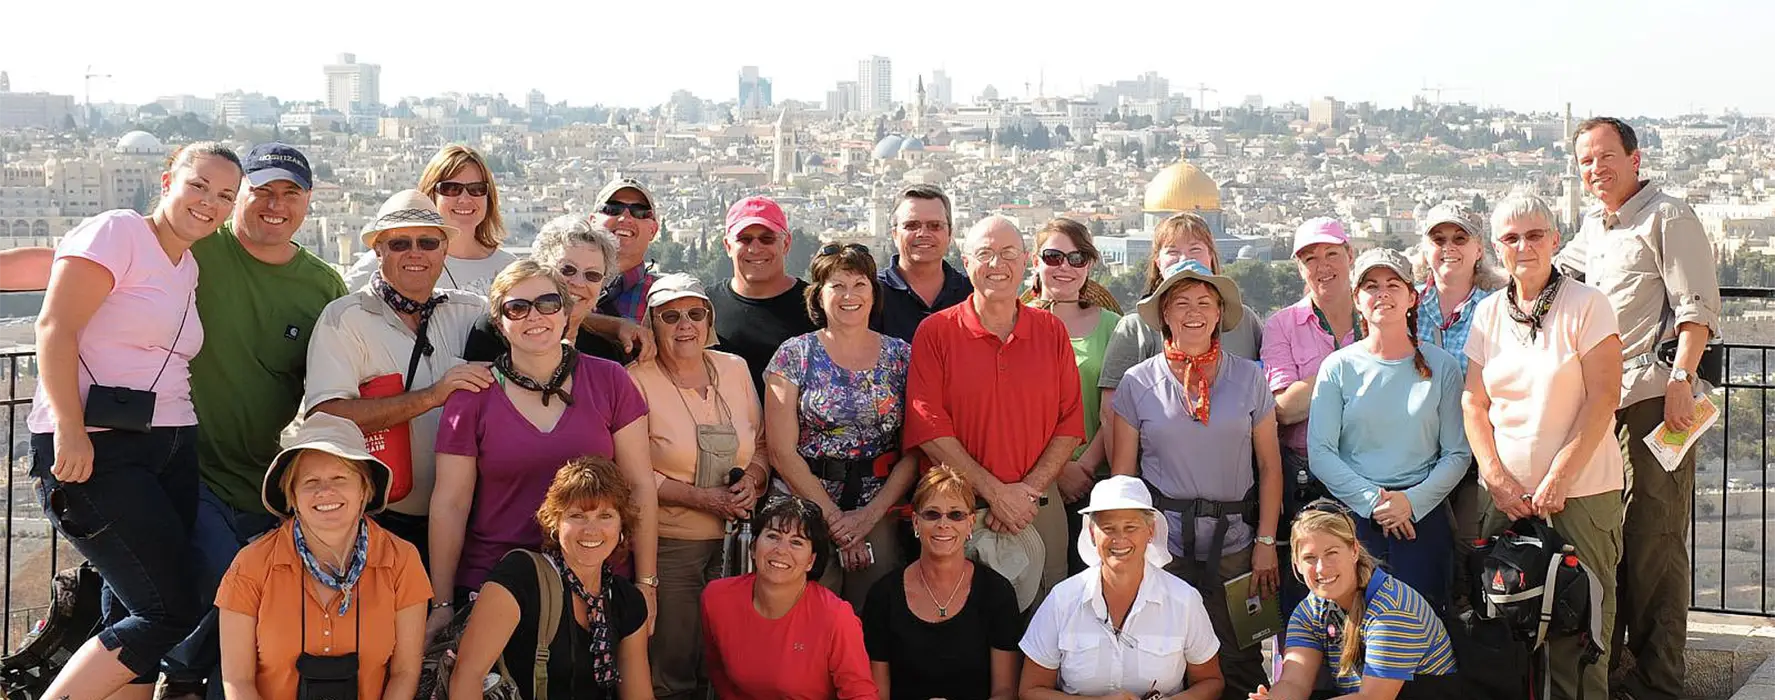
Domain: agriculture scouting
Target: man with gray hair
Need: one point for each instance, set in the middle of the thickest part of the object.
(993, 392)
(585, 256)
(1647, 251)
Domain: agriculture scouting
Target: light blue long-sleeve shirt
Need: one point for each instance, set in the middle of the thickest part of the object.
(1376, 424)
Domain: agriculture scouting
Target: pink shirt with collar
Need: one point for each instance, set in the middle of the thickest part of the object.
(1294, 345)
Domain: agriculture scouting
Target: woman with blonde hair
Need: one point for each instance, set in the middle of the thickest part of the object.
(459, 182)
(1377, 635)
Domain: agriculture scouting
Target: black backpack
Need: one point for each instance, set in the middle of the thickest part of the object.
(72, 617)
(1531, 586)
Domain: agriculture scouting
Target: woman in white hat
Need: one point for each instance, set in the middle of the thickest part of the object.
(113, 429)
(1386, 436)
(461, 186)
(1191, 423)
(329, 602)
(705, 440)
(1123, 628)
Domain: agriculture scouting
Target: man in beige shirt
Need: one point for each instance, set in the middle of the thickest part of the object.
(400, 325)
(1646, 250)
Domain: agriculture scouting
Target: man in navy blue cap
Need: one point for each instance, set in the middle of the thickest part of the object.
(260, 296)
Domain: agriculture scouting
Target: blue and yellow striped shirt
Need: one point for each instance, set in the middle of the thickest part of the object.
(1401, 636)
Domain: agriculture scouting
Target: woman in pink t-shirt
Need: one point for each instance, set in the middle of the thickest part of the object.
(113, 431)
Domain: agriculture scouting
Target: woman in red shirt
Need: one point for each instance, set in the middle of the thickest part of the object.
(771, 635)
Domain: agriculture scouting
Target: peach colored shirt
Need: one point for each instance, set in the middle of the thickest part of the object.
(672, 417)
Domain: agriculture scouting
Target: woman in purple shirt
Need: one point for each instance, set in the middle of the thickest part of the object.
(113, 430)
(498, 450)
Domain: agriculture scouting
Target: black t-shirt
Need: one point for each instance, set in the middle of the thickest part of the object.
(485, 344)
(755, 328)
(950, 659)
(570, 664)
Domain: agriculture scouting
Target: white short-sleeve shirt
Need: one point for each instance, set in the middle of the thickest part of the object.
(1166, 630)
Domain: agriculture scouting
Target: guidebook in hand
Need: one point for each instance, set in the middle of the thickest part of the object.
(1669, 446)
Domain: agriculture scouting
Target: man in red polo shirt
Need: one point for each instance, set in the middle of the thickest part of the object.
(993, 392)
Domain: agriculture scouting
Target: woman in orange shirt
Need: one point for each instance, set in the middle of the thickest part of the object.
(329, 600)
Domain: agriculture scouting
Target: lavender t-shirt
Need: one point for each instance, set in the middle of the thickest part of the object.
(515, 462)
(1185, 459)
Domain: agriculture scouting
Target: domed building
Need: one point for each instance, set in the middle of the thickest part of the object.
(140, 143)
(889, 146)
(1184, 187)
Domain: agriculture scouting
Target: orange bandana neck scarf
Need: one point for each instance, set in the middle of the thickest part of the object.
(1193, 371)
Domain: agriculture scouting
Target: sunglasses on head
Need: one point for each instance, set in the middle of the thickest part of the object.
(453, 189)
(569, 270)
(931, 515)
(519, 309)
(401, 245)
(638, 210)
(671, 316)
(836, 248)
(1052, 258)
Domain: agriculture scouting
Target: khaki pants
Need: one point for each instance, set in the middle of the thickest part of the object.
(853, 586)
(1654, 593)
(1050, 523)
(675, 652)
(1592, 524)
(1242, 668)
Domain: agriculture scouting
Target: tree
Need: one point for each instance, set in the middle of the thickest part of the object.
(1139, 159)
(802, 246)
(1102, 158)
(1112, 116)
(900, 114)
(68, 123)
(1062, 133)
(1038, 139)
(1479, 204)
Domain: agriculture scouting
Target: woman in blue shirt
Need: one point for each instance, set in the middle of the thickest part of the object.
(1385, 434)
(1379, 637)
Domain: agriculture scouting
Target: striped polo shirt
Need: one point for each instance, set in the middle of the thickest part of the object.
(1401, 636)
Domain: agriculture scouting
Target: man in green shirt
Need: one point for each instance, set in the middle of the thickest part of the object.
(258, 295)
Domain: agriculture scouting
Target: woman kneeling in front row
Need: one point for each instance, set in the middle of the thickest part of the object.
(1381, 639)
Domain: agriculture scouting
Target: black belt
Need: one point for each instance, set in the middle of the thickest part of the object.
(1192, 508)
(849, 472)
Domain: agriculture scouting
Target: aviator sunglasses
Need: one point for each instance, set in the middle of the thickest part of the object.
(453, 189)
(638, 210)
(519, 309)
(1052, 258)
(402, 245)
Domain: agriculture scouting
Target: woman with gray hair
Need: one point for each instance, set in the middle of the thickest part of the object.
(585, 257)
(1543, 380)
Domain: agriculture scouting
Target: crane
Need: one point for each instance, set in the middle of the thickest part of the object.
(1438, 90)
(1202, 91)
(87, 115)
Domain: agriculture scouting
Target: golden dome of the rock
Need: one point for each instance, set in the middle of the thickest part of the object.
(1182, 187)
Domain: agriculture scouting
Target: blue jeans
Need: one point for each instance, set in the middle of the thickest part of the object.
(1426, 563)
(132, 519)
(220, 533)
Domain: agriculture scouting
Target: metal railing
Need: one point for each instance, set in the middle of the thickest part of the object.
(33, 551)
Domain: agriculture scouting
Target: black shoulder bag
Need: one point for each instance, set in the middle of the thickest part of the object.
(123, 408)
(327, 677)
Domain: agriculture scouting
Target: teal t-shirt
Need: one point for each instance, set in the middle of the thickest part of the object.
(246, 382)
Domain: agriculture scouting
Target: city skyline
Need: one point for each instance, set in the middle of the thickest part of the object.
(1634, 58)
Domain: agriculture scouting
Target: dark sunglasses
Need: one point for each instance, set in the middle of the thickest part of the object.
(638, 210)
(519, 309)
(402, 245)
(591, 276)
(671, 316)
(836, 248)
(1053, 258)
(453, 189)
(933, 515)
(766, 239)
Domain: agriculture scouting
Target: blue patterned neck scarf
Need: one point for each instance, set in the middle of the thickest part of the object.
(342, 581)
(604, 670)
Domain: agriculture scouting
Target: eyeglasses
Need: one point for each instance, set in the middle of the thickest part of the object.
(638, 210)
(454, 189)
(1008, 256)
(933, 515)
(1052, 258)
(591, 276)
(519, 309)
(401, 245)
(671, 316)
(914, 226)
(835, 248)
(767, 239)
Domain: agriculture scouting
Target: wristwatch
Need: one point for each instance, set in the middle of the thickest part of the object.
(1682, 375)
(649, 580)
(1267, 539)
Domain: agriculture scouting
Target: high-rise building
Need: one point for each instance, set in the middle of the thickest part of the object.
(875, 84)
(942, 89)
(842, 99)
(536, 105)
(353, 88)
(1325, 111)
(754, 91)
(240, 108)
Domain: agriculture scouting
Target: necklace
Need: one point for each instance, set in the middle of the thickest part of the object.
(942, 607)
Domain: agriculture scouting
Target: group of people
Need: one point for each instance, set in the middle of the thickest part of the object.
(993, 492)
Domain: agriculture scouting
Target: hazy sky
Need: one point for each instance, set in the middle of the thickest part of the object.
(1631, 57)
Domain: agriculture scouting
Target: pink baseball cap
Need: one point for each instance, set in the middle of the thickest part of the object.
(756, 210)
(1322, 229)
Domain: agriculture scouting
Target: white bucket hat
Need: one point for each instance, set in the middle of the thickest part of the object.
(1020, 558)
(1125, 493)
(324, 432)
(406, 209)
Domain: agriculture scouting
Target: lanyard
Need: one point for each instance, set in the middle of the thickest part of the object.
(1325, 325)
